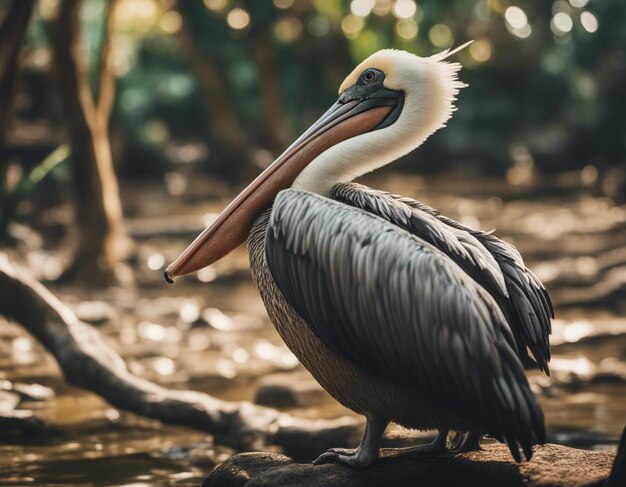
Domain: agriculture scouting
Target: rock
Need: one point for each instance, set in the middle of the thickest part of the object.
(20, 424)
(287, 391)
(618, 472)
(581, 437)
(207, 453)
(95, 312)
(574, 374)
(27, 392)
(571, 336)
(238, 470)
(8, 401)
(551, 465)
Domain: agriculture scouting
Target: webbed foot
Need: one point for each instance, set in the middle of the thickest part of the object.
(363, 456)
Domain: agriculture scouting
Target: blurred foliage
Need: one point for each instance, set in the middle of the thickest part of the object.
(546, 79)
(19, 187)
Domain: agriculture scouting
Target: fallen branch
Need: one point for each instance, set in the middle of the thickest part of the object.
(88, 362)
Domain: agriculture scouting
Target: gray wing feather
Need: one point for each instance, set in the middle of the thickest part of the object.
(494, 264)
(396, 305)
(458, 244)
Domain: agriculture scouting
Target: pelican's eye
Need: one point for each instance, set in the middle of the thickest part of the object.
(369, 76)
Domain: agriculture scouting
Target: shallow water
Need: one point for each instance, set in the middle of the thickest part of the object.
(214, 336)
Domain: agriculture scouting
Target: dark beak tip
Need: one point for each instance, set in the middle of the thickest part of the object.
(166, 275)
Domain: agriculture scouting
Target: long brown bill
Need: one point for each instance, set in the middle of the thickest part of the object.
(231, 228)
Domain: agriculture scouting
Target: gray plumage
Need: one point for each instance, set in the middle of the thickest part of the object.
(401, 309)
(494, 264)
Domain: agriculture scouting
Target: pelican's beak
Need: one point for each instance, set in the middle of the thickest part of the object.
(353, 114)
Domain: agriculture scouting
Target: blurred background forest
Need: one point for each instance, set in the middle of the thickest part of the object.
(125, 125)
(161, 91)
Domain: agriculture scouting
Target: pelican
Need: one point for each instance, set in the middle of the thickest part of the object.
(401, 314)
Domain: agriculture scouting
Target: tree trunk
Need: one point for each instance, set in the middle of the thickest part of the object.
(99, 216)
(12, 33)
(225, 131)
(273, 125)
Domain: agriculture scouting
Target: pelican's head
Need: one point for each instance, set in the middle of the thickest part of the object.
(420, 93)
(389, 105)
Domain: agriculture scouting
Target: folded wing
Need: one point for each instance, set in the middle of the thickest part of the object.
(394, 304)
(494, 264)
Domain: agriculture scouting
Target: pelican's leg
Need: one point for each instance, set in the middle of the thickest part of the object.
(365, 454)
(435, 446)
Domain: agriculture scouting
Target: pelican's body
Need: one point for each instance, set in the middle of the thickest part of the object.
(401, 314)
(357, 388)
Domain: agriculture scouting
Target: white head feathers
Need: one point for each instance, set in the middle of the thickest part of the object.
(430, 88)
